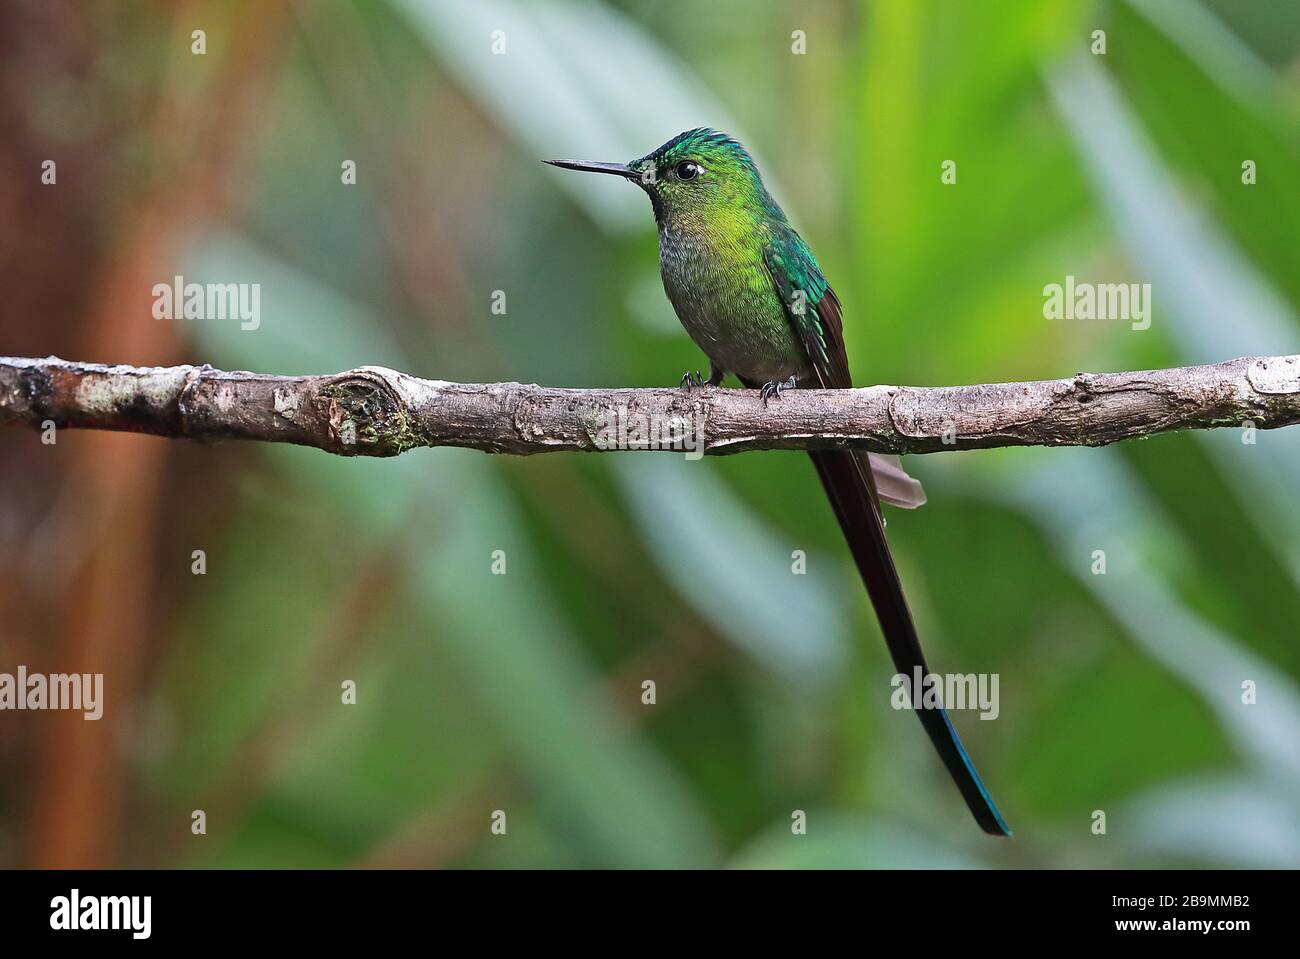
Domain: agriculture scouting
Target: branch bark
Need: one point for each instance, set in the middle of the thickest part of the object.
(373, 411)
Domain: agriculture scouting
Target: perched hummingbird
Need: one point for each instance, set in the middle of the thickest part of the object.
(751, 295)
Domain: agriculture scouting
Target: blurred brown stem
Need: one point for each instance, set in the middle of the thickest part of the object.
(373, 411)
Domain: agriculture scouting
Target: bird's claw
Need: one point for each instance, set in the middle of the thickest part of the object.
(776, 388)
(692, 380)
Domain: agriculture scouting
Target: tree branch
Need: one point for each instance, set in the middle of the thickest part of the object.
(372, 411)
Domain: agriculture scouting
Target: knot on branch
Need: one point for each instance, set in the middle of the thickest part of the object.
(365, 413)
(188, 399)
(1275, 375)
(25, 394)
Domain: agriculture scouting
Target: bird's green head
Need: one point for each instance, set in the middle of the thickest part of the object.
(697, 173)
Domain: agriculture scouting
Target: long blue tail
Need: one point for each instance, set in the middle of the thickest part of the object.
(847, 478)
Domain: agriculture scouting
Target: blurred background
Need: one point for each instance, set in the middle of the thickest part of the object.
(477, 692)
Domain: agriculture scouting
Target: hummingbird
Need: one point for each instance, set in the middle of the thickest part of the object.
(752, 296)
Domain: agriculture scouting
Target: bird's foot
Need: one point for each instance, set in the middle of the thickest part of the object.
(692, 381)
(776, 388)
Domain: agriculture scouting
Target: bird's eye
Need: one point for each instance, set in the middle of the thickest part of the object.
(686, 170)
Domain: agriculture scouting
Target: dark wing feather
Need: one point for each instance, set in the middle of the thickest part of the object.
(813, 309)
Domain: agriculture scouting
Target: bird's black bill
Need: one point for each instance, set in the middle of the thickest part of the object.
(595, 166)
